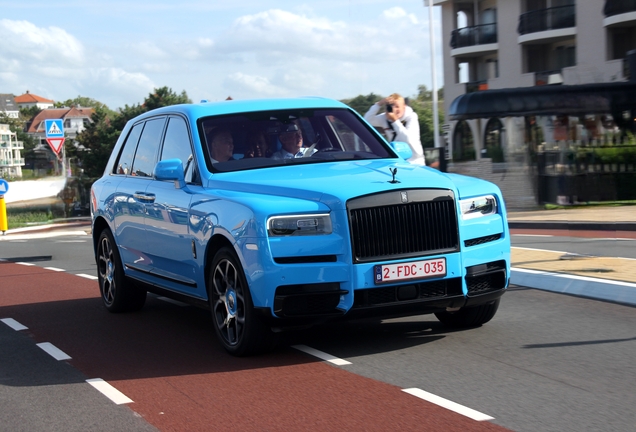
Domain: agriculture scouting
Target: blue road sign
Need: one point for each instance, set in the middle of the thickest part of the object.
(54, 128)
(4, 187)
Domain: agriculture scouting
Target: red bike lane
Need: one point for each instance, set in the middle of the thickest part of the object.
(165, 359)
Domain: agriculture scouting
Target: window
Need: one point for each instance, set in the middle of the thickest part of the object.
(146, 154)
(176, 145)
(124, 164)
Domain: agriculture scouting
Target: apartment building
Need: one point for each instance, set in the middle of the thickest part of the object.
(8, 106)
(11, 160)
(524, 75)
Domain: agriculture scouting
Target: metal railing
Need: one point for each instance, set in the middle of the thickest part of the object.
(547, 19)
(617, 7)
(475, 35)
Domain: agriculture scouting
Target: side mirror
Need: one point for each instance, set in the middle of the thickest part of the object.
(402, 149)
(170, 169)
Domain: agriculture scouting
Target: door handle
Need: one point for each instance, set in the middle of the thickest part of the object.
(141, 196)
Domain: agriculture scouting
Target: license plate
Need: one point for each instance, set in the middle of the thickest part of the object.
(410, 270)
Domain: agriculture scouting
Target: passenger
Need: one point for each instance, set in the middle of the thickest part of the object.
(221, 145)
(256, 145)
(291, 139)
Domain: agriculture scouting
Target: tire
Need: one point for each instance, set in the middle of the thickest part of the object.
(236, 325)
(118, 295)
(469, 317)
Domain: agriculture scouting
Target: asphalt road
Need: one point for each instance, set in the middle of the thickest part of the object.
(546, 362)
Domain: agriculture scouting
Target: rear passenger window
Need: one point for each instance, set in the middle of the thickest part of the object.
(124, 164)
(148, 147)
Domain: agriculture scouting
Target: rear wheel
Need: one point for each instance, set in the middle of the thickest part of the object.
(235, 323)
(118, 295)
(469, 317)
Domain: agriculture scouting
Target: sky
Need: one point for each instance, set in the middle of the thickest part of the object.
(117, 52)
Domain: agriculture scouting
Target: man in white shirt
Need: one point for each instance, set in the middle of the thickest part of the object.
(291, 139)
(399, 123)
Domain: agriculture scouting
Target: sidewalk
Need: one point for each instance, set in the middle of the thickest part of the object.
(609, 279)
(603, 278)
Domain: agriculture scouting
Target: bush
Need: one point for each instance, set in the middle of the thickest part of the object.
(18, 219)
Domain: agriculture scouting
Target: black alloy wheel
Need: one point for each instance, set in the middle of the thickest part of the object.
(236, 325)
(118, 294)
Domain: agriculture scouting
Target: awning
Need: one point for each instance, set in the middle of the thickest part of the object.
(604, 98)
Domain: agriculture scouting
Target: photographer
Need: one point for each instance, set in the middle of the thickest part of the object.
(399, 123)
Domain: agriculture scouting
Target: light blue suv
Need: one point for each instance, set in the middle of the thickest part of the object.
(288, 212)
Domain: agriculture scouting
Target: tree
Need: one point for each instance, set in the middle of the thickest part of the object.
(362, 103)
(83, 102)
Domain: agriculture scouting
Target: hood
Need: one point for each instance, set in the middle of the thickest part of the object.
(332, 183)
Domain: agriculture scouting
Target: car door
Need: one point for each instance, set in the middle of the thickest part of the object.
(136, 164)
(168, 235)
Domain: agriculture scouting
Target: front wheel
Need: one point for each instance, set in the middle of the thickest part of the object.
(469, 317)
(117, 295)
(235, 323)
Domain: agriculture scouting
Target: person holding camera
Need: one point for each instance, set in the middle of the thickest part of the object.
(399, 123)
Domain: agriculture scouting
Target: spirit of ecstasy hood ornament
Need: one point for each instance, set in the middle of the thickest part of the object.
(394, 172)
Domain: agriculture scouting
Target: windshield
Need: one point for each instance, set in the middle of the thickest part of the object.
(262, 139)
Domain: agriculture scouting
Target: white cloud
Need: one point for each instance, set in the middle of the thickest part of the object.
(24, 41)
(244, 84)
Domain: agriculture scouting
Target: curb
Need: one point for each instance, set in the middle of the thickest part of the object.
(580, 286)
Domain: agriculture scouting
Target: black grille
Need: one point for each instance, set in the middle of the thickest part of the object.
(396, 294)
(482, 240)
(382, 227)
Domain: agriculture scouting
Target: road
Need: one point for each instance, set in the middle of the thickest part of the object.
(547, 362)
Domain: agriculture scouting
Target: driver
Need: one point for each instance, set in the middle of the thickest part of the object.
(291, 139)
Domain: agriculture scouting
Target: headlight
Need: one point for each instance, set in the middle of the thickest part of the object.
(299, 225)
(478, 207)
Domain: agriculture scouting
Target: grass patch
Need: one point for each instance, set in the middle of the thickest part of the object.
(23, 219)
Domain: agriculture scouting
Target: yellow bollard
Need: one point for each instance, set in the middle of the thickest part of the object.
(4, 224)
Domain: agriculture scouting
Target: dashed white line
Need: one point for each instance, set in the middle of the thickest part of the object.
(14, 324)
(450, 405)
(321, 355)
(54, 351)
(109, 391)
(54, 269)
(87, 276)
(25, 264)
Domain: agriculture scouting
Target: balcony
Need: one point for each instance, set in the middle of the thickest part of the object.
(548, 77)
(475, 86)
(475, 35)
(541, 20)
(618, 7)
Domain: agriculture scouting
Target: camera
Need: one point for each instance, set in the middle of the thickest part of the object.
(389, 107)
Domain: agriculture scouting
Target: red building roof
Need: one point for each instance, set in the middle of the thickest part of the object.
(31, 98)
(37, 124)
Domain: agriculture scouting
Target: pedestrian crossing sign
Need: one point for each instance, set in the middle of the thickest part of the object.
(54, 128)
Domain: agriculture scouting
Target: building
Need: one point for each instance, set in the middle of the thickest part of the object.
(75, 121)
(29, 100)
(11, 160)
(524, 76)
(8, 106)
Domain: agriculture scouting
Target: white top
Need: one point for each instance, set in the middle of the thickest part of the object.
(406, 129)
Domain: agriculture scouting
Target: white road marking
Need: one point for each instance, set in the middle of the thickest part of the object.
(173, 301)
(87, 276)
(538, 250)
(18, 236)
(109, 391)
(450, 405)
(14, 324)
(25, 263)
(54, 351)
(70, 241)
(54, 269)
(321, 355)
